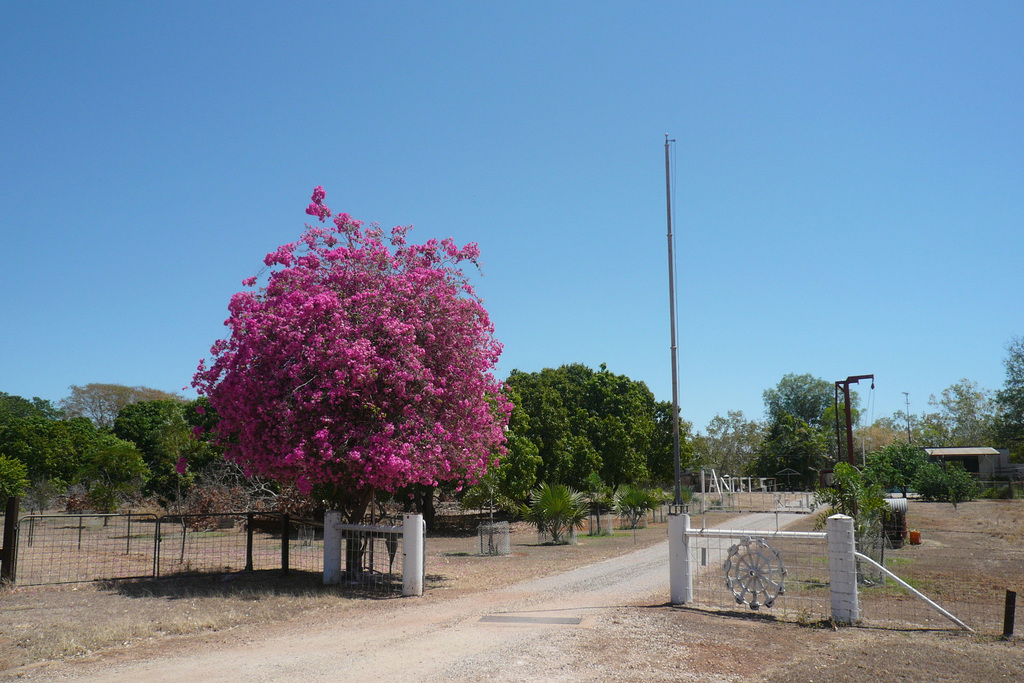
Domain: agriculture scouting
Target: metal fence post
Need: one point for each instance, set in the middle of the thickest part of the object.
(248, 541)
(156, 546)
(1009, 612)
(8, 554)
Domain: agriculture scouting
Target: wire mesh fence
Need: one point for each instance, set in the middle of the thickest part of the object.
(192, 544)
(372, 558)
(55, 549)
(75, 548)
(967, 573)
(493, 538)
(786, 576)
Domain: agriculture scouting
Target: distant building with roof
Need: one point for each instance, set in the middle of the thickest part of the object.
(985, 462)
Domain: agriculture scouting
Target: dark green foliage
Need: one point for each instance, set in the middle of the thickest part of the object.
(508, 484)
(13, 478)
(852, 495)
(951, 483)
(583, 421)
(113, 470)
(15, 407)
(895, 466)
(791, 444)
(52, 450)
(162, 431)
(805, 397)
(1009, 423)
(661, 457)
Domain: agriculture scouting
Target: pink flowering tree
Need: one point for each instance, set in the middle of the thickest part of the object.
(363, 364)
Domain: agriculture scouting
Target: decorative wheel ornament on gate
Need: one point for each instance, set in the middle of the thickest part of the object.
(754, 573)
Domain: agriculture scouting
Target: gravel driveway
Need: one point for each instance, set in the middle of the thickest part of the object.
(503, 634)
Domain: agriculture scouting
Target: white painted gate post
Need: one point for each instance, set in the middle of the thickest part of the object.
(413, 556)
(332, 547)
(842, 569)
(680, 569)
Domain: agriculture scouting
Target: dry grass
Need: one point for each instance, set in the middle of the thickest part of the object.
(58, 622)
(61, 622)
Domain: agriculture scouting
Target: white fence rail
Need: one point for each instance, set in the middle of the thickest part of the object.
(352, 550)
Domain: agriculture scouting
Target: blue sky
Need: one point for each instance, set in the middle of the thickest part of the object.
(849, 180)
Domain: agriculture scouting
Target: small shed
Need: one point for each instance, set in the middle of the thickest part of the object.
(983, 461)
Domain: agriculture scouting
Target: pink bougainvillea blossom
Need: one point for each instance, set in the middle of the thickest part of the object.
(361, 364)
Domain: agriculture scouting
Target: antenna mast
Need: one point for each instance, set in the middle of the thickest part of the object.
(677, 501)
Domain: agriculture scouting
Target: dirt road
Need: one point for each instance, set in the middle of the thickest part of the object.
(500, 635)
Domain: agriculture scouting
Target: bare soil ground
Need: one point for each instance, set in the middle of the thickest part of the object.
(57, 632)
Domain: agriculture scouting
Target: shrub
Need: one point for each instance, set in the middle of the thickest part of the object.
(952, 484)
(556, 509)
(633, 503)
(997, 493)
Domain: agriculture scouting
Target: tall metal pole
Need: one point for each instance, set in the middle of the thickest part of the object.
(906, 394)
(678, 500)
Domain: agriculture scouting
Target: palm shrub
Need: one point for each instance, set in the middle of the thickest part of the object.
(556, 509)
(632, 503)
(850, 494)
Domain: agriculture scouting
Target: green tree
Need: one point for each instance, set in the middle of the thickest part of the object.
(13, 478)
(895, 466)
(15, 407)
(805, 397)
(508, 485)
(52, 450)
(791, 444)
(661, 462)
(1009, 423)
(855, 496)
(583, 421)
(728, 444)
(112, 472)
(162, 431)
(964, 416)
(102, 403)
(950, 483)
